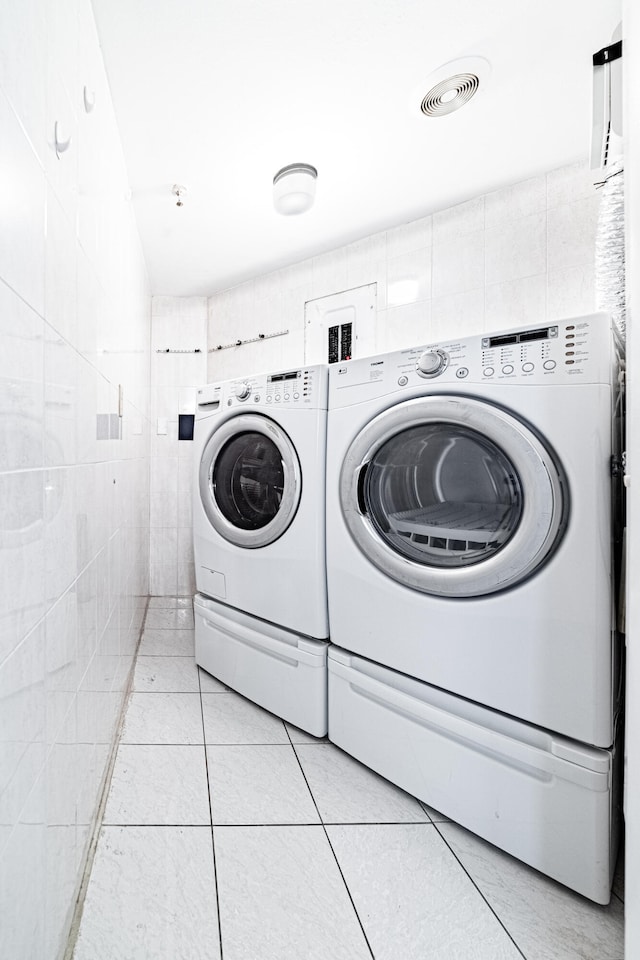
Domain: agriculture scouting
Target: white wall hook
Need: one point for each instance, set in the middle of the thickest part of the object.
(89, 97)
(61, 144)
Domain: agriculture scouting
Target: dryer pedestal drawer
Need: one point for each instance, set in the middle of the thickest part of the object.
(281, 671)
(545, 799)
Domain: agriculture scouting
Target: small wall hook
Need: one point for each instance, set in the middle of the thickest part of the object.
(61, 144)
(89, 97)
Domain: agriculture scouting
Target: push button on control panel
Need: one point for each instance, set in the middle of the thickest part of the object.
(549, 364)
(462, 372)
(403, 381)
(527, 367)
(488, 372)
(508, 368)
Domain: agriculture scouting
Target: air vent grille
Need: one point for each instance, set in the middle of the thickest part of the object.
(449, 95)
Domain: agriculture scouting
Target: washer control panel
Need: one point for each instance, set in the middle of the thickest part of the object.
(300, 387)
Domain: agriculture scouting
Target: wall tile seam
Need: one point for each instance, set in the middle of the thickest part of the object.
(593, 201)
(508, 221)
(23, 640)
(522, 276)
(41, 774)
(579, 171)
(581, 201)
(505, 283)
(50, 743)
(470, 234)
(459, 233)
(427, 250)
(82, 464)
(41, 622)
(49, 747)
(70, 217)
(39, 469)
(78, 355)
(549, 230)
(23, 129)
(406, 303)
(29, 306)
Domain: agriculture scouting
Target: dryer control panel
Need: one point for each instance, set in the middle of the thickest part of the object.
(578, 350)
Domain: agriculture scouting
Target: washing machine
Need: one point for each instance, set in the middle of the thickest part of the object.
(259, 540)
(470, 575)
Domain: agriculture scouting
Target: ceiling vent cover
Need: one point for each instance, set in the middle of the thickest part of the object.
(449, 95)
(454, 84)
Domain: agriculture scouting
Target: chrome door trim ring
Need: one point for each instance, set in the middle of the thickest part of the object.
(254, 423)
(545, 497)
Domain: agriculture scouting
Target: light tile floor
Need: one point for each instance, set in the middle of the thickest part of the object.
(230, 835)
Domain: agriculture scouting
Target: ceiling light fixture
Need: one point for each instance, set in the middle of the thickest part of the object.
(294, 188)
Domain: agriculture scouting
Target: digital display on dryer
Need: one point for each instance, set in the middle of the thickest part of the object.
(527, 336)
(281, 377)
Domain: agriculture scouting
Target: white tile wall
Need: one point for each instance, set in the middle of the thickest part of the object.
(178, 324)
(74, 509)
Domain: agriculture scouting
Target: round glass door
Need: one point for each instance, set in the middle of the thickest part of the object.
(453, 496)
(250, 481)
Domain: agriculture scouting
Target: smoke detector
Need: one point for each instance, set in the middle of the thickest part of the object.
(452, 85)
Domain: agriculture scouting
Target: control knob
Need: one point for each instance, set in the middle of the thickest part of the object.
(242, 391)
(432, 363)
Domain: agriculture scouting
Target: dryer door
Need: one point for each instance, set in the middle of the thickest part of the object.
(250, 480)
(453, 496)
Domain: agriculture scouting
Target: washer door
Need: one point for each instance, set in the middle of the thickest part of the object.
(250, 481)
(453, 496)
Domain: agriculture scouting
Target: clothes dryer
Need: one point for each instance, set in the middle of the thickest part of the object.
(469, 548)
(259, 539)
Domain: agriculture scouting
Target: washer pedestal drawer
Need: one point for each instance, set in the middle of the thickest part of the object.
(547, 800)
(284, 672)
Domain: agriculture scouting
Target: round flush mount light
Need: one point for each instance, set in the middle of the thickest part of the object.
(294, 188)
(453, 84)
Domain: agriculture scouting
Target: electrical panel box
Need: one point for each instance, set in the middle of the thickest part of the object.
(341, 326)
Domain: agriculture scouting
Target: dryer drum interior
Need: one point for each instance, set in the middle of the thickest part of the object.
(442, 494)
(453, 496)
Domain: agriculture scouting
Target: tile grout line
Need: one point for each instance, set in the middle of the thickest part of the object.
(473, 882)
(314, 823)
(213, 842)
(323, 825)
(76, 920)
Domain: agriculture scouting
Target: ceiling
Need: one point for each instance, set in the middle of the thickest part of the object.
(218, 95)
